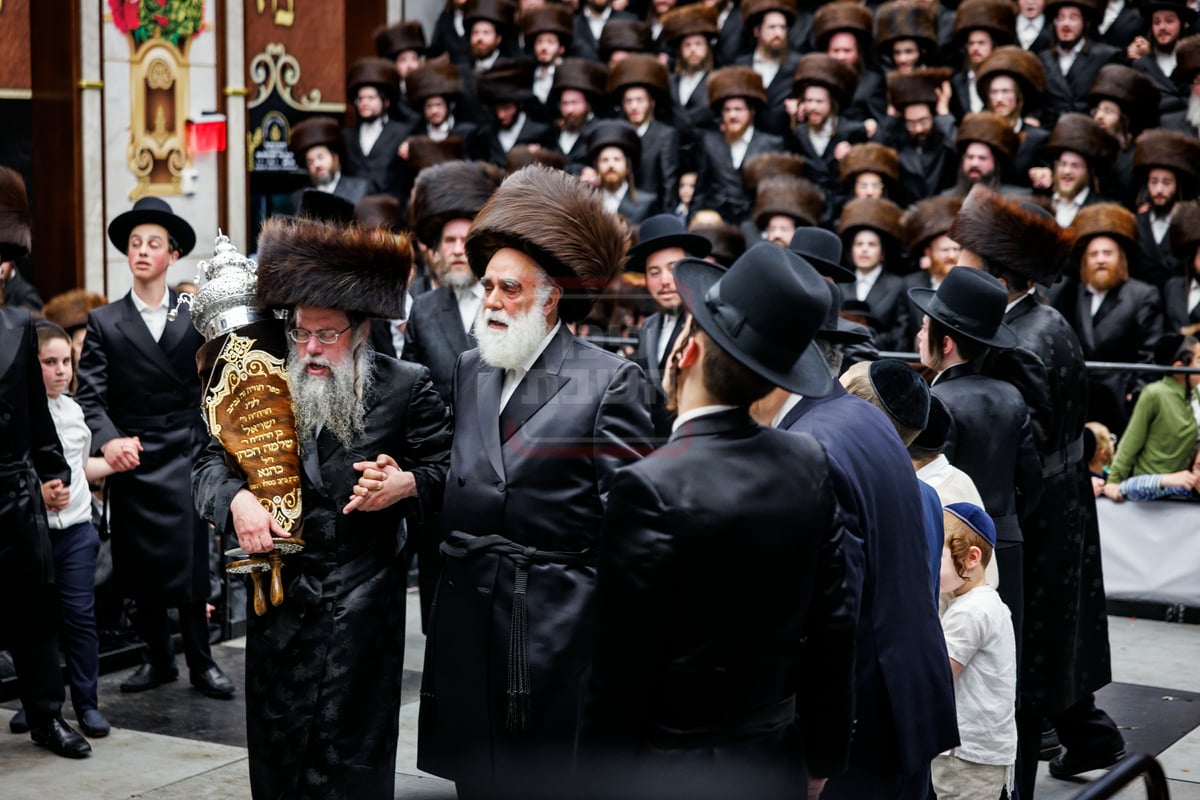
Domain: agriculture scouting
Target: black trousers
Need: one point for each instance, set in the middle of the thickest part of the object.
(152, 626)
(29, 629)
(1082, 728)
(75, 550)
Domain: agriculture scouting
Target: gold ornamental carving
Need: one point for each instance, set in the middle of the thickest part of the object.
(276, 71)
(157, 152)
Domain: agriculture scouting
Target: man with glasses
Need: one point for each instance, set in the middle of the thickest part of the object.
(323, 668)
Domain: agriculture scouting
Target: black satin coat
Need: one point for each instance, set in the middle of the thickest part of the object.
(382, 166)
(131, 385)
(435, 337)
(719, 183)
(323, 670)
(1065, 650)
(684, 677)
(537, 474)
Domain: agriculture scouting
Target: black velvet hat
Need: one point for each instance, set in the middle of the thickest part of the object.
(969, 302)
(764, 312)
(901, 390)
(822, 249)
(325, 206)
(156, 211)
(660, 232)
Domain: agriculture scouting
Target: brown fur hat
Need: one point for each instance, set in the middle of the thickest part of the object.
(380, 211)
(1184, 231)
(1020, 65)
(69, 310)
(1133, 91)
(788, 197)
(313, 263)
(735, 81)
(1187, 60)
(916, 87)
(848, 16)
(1093, 10)
(15, 233)
(522, 155)
(692, 20)
(509, 80)
(312, 132)
(395, 39)
(761, 167)
(896, 20)
(929, 219)
(728, 242)
(453, 190)
(1171, 150)
(640, 69)
(991, 129)
(869, 157)
(378, 72)
(551, 18)
(628, 35)
(1012, 235)
(424, 152)
(753, 11)
(500, 13)
(819, 69)
(581, 74)
(872, 213)
(1105, 219)
(997, 17)
(1079, 133)
(438, 77)
(560, 223)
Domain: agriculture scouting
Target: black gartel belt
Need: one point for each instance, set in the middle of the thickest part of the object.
(1060, 460)
(21, 476)
(465, 545)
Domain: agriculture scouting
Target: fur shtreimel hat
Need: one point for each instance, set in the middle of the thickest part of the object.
(380, 211)
(561, 224)
(874, 214)
(378, 72)
(1184, 231)
(438, 77)
(1132, 91)
(1092, 10)
(788, 197)
(1012, 235)
(628, 35)
(692, 20)
(306, 262)
(929, 219)
(997, 17)
(69, 310)
(394, 40)
(424, 152)
(818, 69)
(990, 129)
(522, 155)
(895, 20)
(1171, 150)
(453, 190)
(640, 69)
(1187, 60)
(914, 88)
(1079, 133)
(847, 16)
(509, 80)
(1105, 219)
(729, 82)
(551, 18)
(312, 132)
(753, 11)
(869, 157)
(500, 13)
(581, 74)
(1020, 65)
(764, 166)
(15, 232)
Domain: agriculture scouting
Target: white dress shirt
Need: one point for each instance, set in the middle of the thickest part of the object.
(973, 98)
(155, 316)
(702, 411)
(1097, 297)
(368, 133)
(1067, 59)
(597, 22)
(1065, 210)
(459, 28)
(1111, 11)
(1166, 62)
(396, 326)
(543, 82)
(737, 150)
(1193, 296)
(669, 321)
(1009, 307)
(820, 137)
(1159, 226)
(484, 64)
(513, 377)
(612, 200)
(688, 81)
(785, 409)
(330, 187)
(76, 441)
(766, 67)
(469, 302)
(508, 137)
(1028, 29)
(864, 282)
(439, 133)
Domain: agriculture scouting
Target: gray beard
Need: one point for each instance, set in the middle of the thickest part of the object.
(1193, 111)
(511, 348)
(331, 403)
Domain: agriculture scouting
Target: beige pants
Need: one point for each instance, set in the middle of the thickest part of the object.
(956, 779)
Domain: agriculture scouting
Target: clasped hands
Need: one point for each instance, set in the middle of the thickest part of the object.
(381, 484)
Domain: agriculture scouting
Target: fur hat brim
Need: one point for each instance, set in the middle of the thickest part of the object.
(758, 168)
(70, 310)
(452, 190)
(1018, 64)
(1171, 150)
(875, 214)
(736, 81)
(394, 40)
(1104, 219)
(1079, 133)
(691, 20)
(1012, 235)
(929, 219)
(819, 69)
(788, 197)
(990, 129)
(869, 157)
(15, 234)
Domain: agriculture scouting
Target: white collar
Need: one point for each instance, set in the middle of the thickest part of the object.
(930, 472)
(604, 15)
(141, 306)
(475, 290)
(1009, 307)
(695, 413)
(645, 126)
(788, 404)
(541, 348)
(1074, 51)
(748, 135)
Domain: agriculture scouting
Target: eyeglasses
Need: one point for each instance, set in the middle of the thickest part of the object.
(512, 288)
(302, 335)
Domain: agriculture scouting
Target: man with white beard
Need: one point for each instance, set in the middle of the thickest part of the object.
(544, 422)
(1187, 77)
(323, 687)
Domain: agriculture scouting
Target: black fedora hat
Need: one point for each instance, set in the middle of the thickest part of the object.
(822, 249)
(901, 390)
(969, 302)
(325, 206)
(763, 312)
(151, 210)
(660, 232)
(837, 330)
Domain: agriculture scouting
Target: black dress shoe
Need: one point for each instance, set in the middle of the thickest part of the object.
(94, 724)
(1068, 765)
(18, 724)
(147, 677)
(214, 683)
(1050, 744)
(59, 737)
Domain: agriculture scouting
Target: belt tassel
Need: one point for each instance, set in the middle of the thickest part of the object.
(518, 655)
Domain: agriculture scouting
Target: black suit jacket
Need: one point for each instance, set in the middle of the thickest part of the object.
(870, 98)
(646, 357)
(577, 155)
(732, 40)
(436, 338)
(1155, 262)
(658, 170)
(583, 43)
(1028, 155)
(774, 117)
(1171, 98)
(960, 88)
(445, 39)
(1068, 92)
(927, 170)
(695, 114)
(635, 211)
(1128, 25)
(485, 144)
(889, 304)
(1178, 122)
(382, 166)
(718, 183)
(822, 168)
(1175, 298)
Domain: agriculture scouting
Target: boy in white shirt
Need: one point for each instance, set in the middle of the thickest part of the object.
(983, 657)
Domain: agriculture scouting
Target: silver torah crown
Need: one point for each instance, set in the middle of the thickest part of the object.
(226, 301)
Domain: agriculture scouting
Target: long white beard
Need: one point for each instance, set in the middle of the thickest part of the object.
(511, 347)
(1193, 111)
(330, 402)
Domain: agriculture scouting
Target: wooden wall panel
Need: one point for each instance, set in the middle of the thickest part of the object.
(14, 46)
